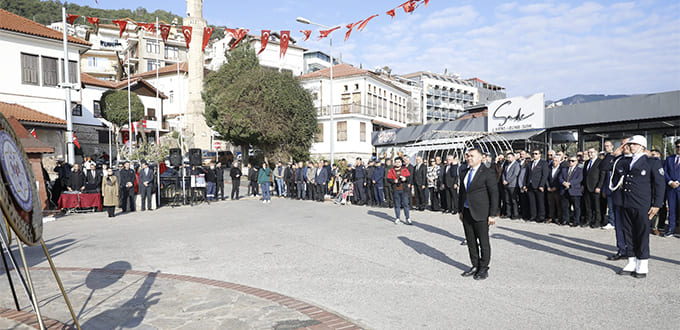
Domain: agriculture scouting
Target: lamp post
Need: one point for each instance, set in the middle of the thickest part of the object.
(332, 138)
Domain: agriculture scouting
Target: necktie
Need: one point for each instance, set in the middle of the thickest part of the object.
(467, 185)
(677, 161)
(571, 169)
(534, 165)
(590, 163)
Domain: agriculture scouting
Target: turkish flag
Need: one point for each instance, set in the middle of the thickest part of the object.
(150, 27)
(326, 33)
(285, 37)
(307, 33)
(363, 23)
(165, 31)
(350, 26)
(122, 24)
(71, 18)
(186, 31)
(409, 6)
(93, 20)
(75, 140)
(264, 39)
(426, 2)
(34, 134)
(238, 35)
(207, 32)
(391, 13)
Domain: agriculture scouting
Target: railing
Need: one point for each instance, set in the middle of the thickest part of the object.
(354, 108)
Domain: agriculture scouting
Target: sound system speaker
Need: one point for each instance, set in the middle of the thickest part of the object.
(175, 157)
(195, 157)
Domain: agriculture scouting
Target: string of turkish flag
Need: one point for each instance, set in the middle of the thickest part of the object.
(239, 34)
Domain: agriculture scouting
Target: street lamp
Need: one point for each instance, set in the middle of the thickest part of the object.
(332, 139)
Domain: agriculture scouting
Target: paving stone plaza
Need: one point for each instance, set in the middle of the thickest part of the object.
(299, 264)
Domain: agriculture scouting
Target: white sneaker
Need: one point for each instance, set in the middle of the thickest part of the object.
(408, 221)
(607, 226)
(397, 221)
(264, 202)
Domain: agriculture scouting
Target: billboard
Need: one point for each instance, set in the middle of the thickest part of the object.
(517, 114)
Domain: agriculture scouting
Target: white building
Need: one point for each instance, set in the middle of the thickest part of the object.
(363, 102)
(445, 96)
(317, 60)
(293, 61)
(32, 60)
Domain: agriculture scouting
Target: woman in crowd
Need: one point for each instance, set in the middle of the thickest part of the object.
(264, 178)
(110, 192)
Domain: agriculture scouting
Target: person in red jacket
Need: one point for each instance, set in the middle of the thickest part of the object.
(398, 178)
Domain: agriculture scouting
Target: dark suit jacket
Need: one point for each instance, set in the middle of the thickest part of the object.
(148, 177)
(420, 175)
(510, 173)
(538, 176)
(554, 181)
(575, 181)
(76, 180)
(449, 178)
(595, 177)
(91, 182)
(482, 195)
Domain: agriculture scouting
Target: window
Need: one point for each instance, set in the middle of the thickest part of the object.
(171, 52)
(346, 88)
(342, 131)
(152, 46)
(92, 62)
(356, 87)
(29, 69)
(76, 109)
(171, 96)
(97, 110)
(150, 114)
(318, 137)
(103, 137)
(150, 65)
(362, 132)
(49, 71)
(72, 70)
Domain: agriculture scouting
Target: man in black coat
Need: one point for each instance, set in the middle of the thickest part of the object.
(126, 179)
(235, 174)
(93, 179)
(76, 180)
(288, 179)
(449, 184)
(537, 173)
(419, 179)
(477, 204)
(219, 181)
(593, 181)
(146, 180)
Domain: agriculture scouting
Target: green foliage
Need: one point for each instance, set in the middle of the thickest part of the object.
(150, 152)
(47, 12)
(114, 107)
(248, 104)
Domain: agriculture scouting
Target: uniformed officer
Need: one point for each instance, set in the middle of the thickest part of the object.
(621, 155)
(642, 183)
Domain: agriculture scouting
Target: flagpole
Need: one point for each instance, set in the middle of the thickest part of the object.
(69, 115)
(159, 110)
(129, 106)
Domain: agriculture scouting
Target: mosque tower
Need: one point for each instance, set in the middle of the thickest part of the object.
(198, 134)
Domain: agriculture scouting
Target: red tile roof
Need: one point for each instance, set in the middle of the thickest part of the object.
(25, 114)
(340, 70)
(124, 83)
(16, 23)
(30, 144)
(87, 79)
(166, 69)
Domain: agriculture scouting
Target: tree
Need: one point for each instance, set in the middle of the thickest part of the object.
(114, 108)
(251, 105)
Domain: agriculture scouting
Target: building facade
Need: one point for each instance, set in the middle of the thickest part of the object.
(292, 62)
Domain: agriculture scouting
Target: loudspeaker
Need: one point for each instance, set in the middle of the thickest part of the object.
(175, 157)
(195, 157)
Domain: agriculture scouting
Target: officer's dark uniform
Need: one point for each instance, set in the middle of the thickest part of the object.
(617, 198)
(642, 188)
(359, 180)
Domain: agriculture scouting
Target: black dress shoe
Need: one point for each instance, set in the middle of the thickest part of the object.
(464, 242)
(615, 256)
(638, 275)
(482, 274)
(472, 271)
(624, 272)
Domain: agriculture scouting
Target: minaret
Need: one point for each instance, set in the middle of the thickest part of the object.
(198, 133)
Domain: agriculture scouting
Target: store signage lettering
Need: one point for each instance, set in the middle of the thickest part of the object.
(517, 113)
(505, 113)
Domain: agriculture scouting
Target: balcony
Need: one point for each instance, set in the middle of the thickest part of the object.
(445, 94)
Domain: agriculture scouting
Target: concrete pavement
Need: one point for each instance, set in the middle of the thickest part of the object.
(354, 262)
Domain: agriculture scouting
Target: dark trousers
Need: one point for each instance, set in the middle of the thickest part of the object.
(421, 198)
(319, 191)
(477, 236)
(401, 201)
(618, 228)
(443, 202)
(360, 191)
(592, 208)
(636, 232)
(111, 210)
(511, 209)
(389, 194)
(379, 193)
(311, 191)
(235, 186)
(451, 199)
(147, 192)
(290, 189)
(554, 207)
(300, 189)
(370, 197)
(524, 205)
(574, 201)
(434, 199)
(254, 187)
(219, 190)
(127, 198)
(536, 205)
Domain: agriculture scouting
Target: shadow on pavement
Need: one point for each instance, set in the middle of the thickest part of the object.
(533, 245)
(435, 230)
(381, 215)
(35, 254)
(131, 313)
(609, 248)
(431, 252)
(97, 279)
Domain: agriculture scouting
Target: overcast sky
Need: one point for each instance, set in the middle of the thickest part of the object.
(555, 47)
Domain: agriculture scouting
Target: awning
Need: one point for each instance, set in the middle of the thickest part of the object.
(382, 123)
(520, 136)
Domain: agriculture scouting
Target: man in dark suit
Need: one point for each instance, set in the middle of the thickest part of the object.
(449, 183)
(509, 181)
(76, 180)
(93, 179)
(146, 177)
(126, 180)
(570, 179)
(536, 177)
(672, 175)
(477, 204)
(593, 180)
(419, 179)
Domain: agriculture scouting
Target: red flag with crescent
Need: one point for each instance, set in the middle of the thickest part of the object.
(350, 26)
(326, 33)
(426, 2)
(149, 27)
(363, 23)
(75, 140)
(93, 20)
(186, 31)
(285, 38)
(307, 33)
(35, 135)
(391, 13)
(238, 35)
(165, 31)
(409, 6)
(264, 39)
(71, 18)
(122, 24)
(207, 32)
